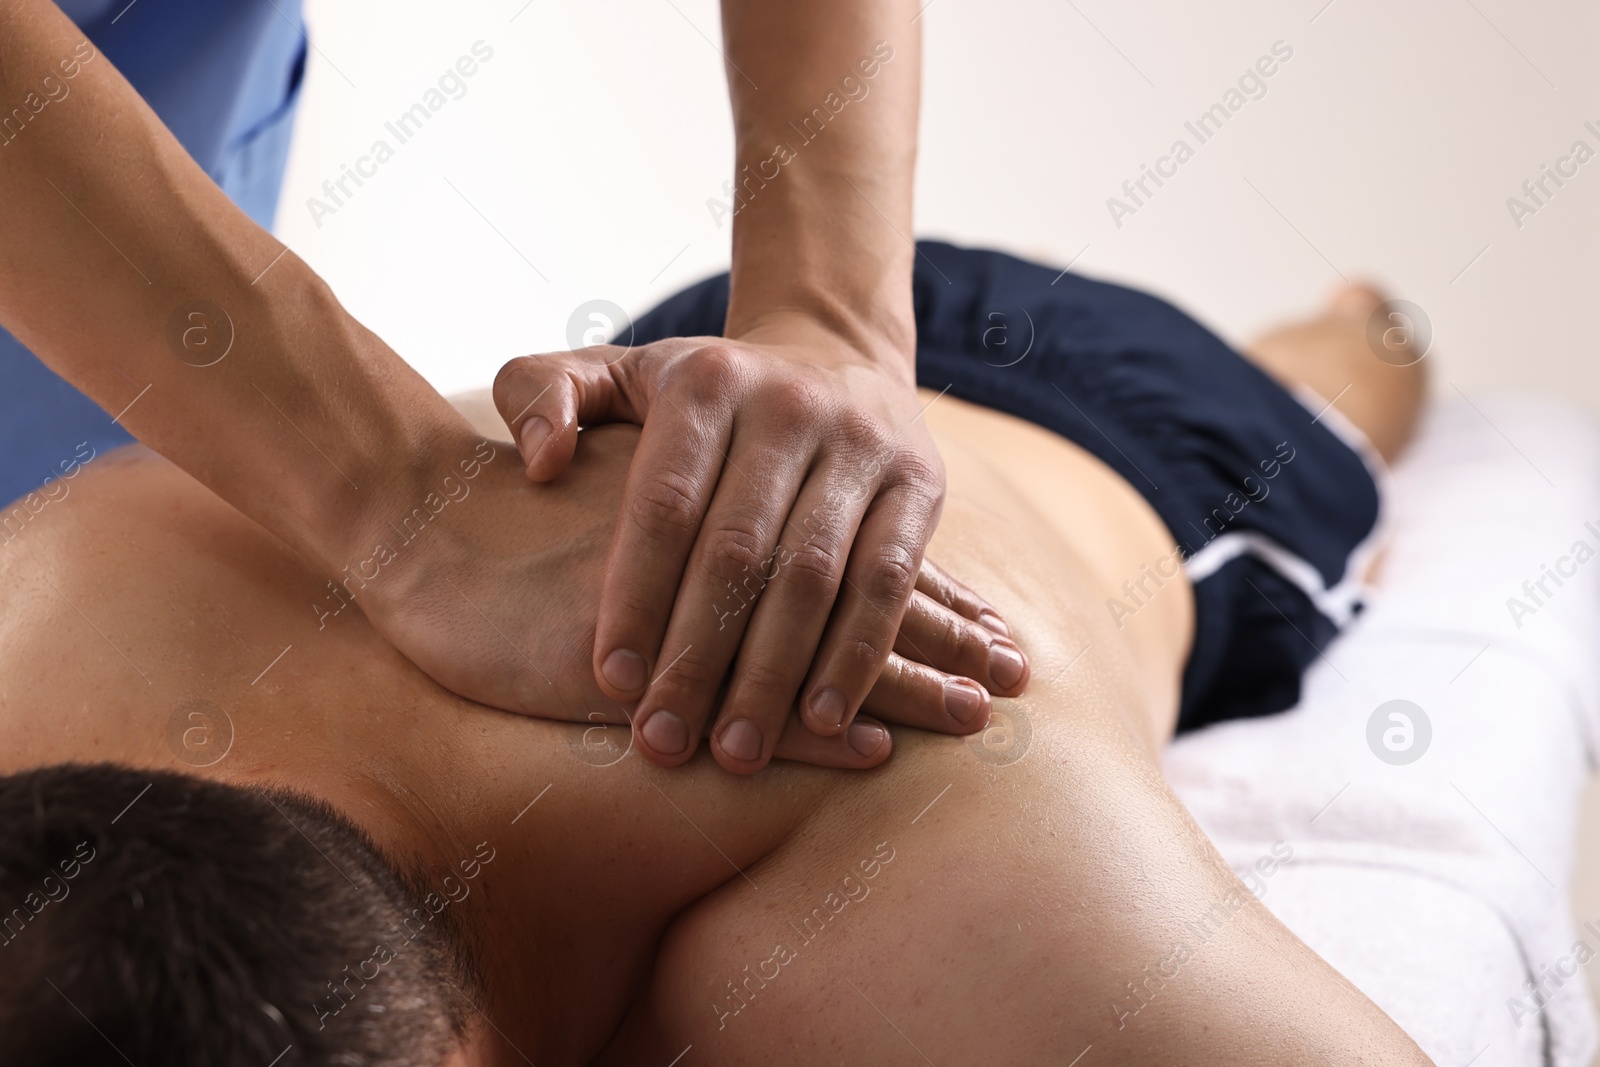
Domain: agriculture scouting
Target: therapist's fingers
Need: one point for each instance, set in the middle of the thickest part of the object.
(879, 581)
(913, 694)
(945, 640)
(732, 559)
(934, 582)
(545, 398)
(797, 596)
(865, 745)
(676, 468)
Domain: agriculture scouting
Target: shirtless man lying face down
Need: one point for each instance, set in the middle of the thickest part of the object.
(337, 862)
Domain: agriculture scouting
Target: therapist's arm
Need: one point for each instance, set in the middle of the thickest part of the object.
(825, 103)
(785, 486)
(115, 255)
(127, 270)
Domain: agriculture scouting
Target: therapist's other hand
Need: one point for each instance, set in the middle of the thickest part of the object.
(770, 541)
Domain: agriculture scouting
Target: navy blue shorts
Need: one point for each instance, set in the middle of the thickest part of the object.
(1267, 503)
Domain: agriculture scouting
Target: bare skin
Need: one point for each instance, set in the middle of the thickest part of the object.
(1008, 904)
(1329, 354)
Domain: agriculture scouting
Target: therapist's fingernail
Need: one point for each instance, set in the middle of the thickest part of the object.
(534, 433)
(828, 708)
(867, 738)
(742, 741)
(665, 733)
(1006, 666)
(994, 622)
(963, 700)
(624, 670)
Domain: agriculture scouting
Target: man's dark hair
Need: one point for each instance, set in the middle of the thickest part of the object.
(157, 918)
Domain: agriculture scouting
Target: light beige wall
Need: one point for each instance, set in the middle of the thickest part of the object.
(1586, 878)
(1386, 147)
(585, 151)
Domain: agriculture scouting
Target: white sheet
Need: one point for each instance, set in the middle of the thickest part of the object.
(1439, 887)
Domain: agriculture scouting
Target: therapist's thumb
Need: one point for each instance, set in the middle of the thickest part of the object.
(545, 398)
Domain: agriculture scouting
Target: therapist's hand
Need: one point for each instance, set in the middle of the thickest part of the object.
(770, 539)
(491, 586)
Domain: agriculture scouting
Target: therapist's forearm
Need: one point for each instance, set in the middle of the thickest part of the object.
(112, 233)
(825, 99)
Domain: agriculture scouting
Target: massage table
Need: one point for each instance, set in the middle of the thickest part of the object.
(1430, 854)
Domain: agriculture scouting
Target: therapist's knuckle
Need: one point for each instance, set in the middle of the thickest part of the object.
(920, 473)
(862, 434)
(693, 672)
(708, 374)
(759, 681)
(888, 575)
(895, 674)
(628, 610)
(735, 550)
(966, 649)
(861, 655)
(794, 402)
(812, 569)
(665, 507)
(944, 635)
(919, 505)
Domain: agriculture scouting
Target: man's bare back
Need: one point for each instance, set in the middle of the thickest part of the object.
(984, 899)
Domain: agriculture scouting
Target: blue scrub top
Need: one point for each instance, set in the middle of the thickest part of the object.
(224, 75)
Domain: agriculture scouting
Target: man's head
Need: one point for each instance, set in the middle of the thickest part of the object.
(162, 919)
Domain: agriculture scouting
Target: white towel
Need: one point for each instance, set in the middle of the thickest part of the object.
(1439, 886)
